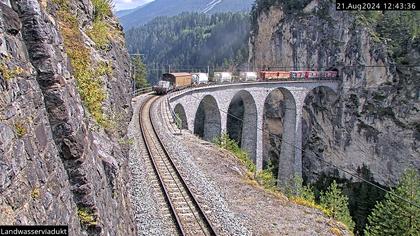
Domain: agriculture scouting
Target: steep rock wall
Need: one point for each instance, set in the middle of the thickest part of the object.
(34, 185)
(58, 165)
(374, 121)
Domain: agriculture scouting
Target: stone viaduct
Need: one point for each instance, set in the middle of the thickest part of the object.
(204, 111)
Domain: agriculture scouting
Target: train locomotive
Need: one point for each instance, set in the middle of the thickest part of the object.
(173, 82)
(177, 81)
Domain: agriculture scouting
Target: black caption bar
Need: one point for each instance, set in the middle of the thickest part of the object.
(377, 5)
(60, 230)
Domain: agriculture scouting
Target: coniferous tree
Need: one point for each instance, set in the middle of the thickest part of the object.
(337, 204)
(362, 198)
(140, 73)
(394, 216)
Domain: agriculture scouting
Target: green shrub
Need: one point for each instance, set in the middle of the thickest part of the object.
(304, 191)
(86, 216)
(178, 121)
(102, 8)
(35, 193)
(337, 204)
(305, 196)
(229, 144)
(266, 179)
(9, 73)
(20, 129)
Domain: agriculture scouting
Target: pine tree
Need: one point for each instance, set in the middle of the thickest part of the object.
(140, 73)
(362, 198)
(337, 204)
(394, 216)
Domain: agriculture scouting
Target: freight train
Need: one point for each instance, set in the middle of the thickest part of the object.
(177, 81)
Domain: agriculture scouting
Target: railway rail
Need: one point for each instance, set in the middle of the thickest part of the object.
(187, 216)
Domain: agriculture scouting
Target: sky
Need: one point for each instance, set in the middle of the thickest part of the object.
(128, 4)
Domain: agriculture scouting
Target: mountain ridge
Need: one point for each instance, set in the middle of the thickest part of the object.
(145, 13)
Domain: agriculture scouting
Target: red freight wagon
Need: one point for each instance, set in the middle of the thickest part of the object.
(274, 75)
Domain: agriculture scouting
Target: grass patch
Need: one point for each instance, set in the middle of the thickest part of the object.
(20, 129)
(8, 73)
(126, 141)
(88, 83)
(86, 216)
(35, 193)
(336, 231)
(264, 178)
(304, 202)
(230, 145)
(99, 34)
(104, 68)
(305, 196)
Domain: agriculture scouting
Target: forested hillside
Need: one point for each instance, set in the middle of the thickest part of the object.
(191, 41)
(144, 14)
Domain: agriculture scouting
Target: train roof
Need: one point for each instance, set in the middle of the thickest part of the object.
(178, 74)
(275, 71)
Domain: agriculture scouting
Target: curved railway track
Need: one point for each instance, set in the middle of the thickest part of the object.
(186, 214)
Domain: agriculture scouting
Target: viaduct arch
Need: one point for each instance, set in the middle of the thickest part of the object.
(180, 113)
(207, 122)
(245, 120)
(207, 109)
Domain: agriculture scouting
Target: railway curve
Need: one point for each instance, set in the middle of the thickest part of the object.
(182, 208)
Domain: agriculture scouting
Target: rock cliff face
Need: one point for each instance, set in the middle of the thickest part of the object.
(61, 162)
(374, 120)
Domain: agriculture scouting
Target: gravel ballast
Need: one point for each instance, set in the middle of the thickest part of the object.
(149, 217)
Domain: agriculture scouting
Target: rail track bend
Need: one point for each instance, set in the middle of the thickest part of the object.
(187, 216)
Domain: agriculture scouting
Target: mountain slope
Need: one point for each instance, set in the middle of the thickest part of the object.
(125, 12)
(144, 14)
(193, 39)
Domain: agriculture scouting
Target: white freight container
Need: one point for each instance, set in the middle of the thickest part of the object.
(248, 76)
(222, 77)
(200, 78)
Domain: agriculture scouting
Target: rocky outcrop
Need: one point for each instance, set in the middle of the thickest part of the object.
(58, 165)
(373, 120)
